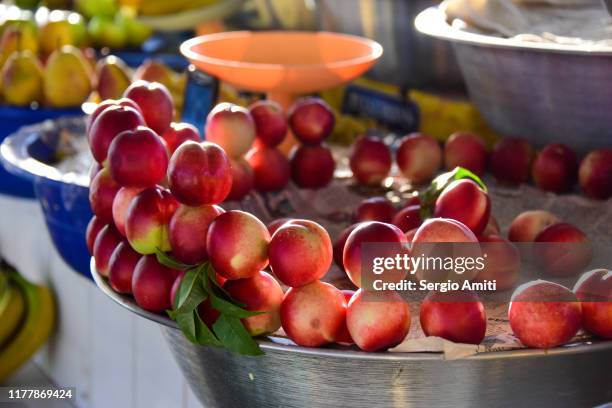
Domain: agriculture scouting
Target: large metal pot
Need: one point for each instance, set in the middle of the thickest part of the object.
(291, 376)
(411, 59)
(545, 92)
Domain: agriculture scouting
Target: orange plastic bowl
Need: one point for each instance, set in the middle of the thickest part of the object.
(282, 62)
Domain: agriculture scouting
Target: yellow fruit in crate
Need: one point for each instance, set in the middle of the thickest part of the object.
(161, 7)
(105, 33)
(12, 312)
(17, 37)
(79, 28)
(21, 78)
(136, 32)
(34, 330)
(56, 33)
(130, 3)
(113, 77)
(99, 8)
(67, 78)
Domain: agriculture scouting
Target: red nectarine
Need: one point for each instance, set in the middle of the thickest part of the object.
(464, 201)
(370, 160)
(562, 250)
(311, 120)
(544, 314)
(107, 240)
(555, 168)
(312, 166)
(456, 316)
(464, 149)
(419, 157)
(300, 252)
(259, 293)
(528, 224)
(237, 245)
(378, 323)
(121, 267)
(594, 290)
(138, 158)
(178, 133)
(370, 232)
(200, 173)
(375, 209)
(270, 122)
(270, 166)
(510, 160)
(231, 127)
(148, 215)
(314, 314)
(595, 174)
(188, 230)
(102, 192)
(243, 179)
(152, 283)
(155, 102)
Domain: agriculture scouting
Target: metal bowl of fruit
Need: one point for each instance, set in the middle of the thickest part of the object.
(223, 301)
(545, 91)
(296, 376)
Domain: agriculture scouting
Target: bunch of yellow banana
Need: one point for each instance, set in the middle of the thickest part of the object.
(161, 7)
(27, 317)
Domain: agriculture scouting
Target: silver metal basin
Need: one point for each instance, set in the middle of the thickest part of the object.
(541, 91)
(291, 376)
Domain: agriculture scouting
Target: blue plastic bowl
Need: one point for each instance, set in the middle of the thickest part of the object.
(64, 197)
(11, 119)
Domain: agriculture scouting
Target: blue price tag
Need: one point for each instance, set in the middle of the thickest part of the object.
(397, 113)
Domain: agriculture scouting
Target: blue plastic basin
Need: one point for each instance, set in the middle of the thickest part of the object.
(64, 197)
(11, 119)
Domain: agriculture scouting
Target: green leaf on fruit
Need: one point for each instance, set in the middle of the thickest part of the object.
(220, 299)
(195, 330)
(191, 292)
(430, 195)
(198, 284)
(172, 314)
(461, 173)
(212, 275)
(234, 337)
(167, 260)
(186, 323)
(225, 307)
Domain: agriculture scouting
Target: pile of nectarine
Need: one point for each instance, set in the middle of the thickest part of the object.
(512, 161)
(159, 232)
(252, 139)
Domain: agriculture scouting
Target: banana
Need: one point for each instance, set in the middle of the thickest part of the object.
(12, 312)
(34, 331)
(163, 7)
